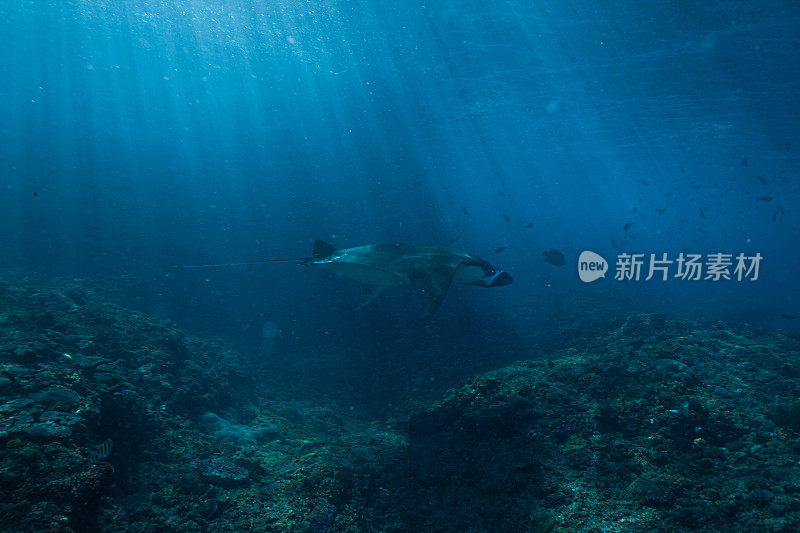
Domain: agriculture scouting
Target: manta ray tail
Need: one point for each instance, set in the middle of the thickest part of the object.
(321, 250)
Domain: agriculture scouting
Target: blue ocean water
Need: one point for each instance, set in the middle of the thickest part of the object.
(136, 135)
(634, 165)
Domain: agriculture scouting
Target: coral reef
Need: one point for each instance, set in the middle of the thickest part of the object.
(75, 371)
(659, 424)
(648, 423)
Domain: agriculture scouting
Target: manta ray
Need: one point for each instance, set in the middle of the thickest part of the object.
(429, 270)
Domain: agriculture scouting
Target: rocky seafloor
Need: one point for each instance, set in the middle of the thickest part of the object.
(111, 420)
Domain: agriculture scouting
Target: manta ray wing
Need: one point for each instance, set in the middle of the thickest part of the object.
(367, 294)
(432, 282)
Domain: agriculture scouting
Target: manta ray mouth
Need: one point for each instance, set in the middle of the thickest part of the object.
(501, 279)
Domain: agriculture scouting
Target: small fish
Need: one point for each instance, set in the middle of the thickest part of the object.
(643, 182)
(554, 257)
(775, 216)
(695, 187)
(529, 225)
(627, 226)
(765, 198)
(787, 146)
(102, 450)
(661, 210)
(454, 239)
(613, 243)
(635, 208)
(683, 169)
(762, 179)
(500, 249)
(788, 317)
(506, 217)
(465, 210)
(745, 162)
(501, 193)
(641, 215)
(702, 213)
(457, 224)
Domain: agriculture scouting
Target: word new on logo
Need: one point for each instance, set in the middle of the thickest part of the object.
(591, 266)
